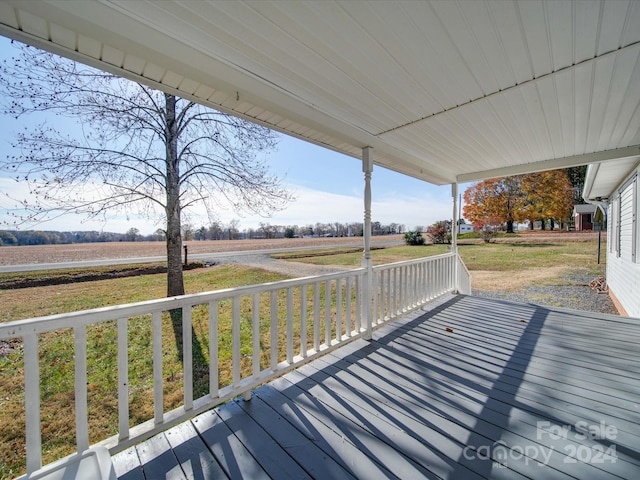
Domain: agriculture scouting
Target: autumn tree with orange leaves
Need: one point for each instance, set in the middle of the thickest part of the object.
(496, 199)
(509, 200)
(549, 196)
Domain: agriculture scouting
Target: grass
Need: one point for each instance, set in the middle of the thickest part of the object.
(353, 257)
(515, 256)
(492, 257)
(56, 362)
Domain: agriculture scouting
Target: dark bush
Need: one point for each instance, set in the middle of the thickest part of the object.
(413, 238)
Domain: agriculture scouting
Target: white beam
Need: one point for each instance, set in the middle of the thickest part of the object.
(552, 164)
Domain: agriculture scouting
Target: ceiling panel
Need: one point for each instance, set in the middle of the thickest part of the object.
(443, 91)
(62, 36)
(547, 92)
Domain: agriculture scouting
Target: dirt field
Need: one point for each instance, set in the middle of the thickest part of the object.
(101, 251)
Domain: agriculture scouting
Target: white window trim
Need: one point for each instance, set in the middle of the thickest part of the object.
(633, 182)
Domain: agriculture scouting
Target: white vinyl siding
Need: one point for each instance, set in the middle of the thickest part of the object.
(623, 262)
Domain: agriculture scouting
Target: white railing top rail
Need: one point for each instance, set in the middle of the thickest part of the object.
(415, 261)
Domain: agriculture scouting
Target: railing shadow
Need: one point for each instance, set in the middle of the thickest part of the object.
(199, 359)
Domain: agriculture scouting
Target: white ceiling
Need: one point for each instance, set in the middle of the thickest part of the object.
(442, 90)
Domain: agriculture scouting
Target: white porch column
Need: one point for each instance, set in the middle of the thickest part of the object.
(454, 236)
(367, 262)
(454, 226)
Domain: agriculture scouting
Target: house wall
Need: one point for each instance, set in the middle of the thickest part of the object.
(584, 221)
(623, 259)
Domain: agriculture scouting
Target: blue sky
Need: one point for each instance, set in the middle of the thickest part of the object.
(328, 187)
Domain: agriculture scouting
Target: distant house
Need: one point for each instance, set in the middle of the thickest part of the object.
(583, 216)
(613, 186)
(465, 228)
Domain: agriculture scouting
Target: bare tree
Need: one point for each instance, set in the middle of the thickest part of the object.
(134, 149)
(233, 229)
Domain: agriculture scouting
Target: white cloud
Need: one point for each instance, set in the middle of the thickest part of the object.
(311, 206)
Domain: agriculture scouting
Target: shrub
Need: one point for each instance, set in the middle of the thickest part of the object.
(440, 232)
(489, 232)
(413, 238)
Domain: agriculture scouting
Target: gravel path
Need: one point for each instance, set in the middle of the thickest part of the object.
(576, 294)
(292, 269)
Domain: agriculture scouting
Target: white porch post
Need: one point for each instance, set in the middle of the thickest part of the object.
(454, 235)
(367, 262)
(454, 226)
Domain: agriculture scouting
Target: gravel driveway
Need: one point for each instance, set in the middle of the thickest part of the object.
(292, 269)
(576, 294)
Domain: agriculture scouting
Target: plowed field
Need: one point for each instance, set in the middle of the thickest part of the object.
(102, 251)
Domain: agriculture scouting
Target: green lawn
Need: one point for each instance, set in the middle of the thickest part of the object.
(504, 256)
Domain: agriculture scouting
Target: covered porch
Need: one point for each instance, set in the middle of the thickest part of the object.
(464, 387)
(447, 92)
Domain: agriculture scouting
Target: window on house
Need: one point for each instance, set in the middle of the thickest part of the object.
(614, 232)
(626, 226)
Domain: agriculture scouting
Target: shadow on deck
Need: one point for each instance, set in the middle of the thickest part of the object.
(467, 387)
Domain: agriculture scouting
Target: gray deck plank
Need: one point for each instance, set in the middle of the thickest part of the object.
(127, 465)
(271, 456)
(419, 401)
(194, 457)
(158, 459)
(335, 440)
(438, 442)
(310, 450)
(374, 439)
(230, 453)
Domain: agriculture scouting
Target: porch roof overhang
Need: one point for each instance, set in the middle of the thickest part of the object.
(603, 178)
(446, 92)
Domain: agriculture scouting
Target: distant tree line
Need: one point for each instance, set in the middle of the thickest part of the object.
(41, 237)
(215, 231)
(218, 231)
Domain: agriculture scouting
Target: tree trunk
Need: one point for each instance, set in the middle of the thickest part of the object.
(175, 282)
(531, 225)
(509, 226)
(552, 224)
(542, 224)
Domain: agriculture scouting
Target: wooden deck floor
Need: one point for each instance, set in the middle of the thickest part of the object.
(467, 388)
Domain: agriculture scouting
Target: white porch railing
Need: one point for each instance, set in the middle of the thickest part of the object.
(269, 328)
